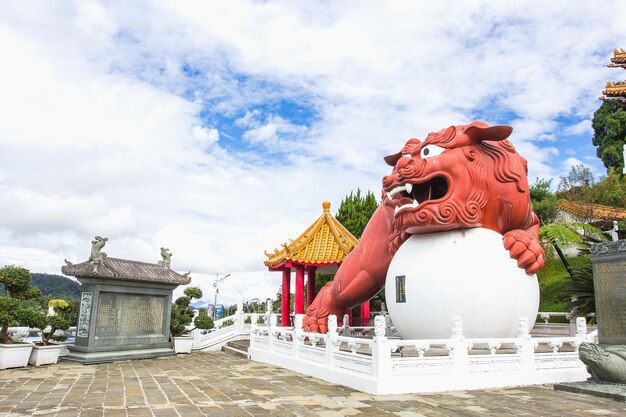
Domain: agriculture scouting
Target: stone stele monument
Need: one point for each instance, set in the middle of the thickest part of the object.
(606, 361)
(124, 307)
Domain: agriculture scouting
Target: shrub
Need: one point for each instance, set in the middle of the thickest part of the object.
(182, 314)
(18, 305)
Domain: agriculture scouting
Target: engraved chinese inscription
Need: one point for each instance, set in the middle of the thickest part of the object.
(129, 315)
(84, 317)
(610, 284)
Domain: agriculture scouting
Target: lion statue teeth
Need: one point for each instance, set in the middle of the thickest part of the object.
(458, 178)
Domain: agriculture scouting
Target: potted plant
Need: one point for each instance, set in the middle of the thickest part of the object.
(182, 315)
(17, 306)
(53, 328)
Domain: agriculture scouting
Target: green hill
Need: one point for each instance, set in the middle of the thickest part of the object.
(55, 286)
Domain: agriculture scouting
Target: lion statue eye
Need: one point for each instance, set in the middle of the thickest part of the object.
(429, 151)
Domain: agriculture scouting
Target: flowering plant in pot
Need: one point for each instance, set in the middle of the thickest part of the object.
(17, 307)
(53, 327)
(181, 317)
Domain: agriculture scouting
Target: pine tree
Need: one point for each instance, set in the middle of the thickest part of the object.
(609, 127)
(356, 210)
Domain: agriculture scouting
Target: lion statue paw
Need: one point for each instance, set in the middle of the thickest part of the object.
(524, 247)
(316, 319)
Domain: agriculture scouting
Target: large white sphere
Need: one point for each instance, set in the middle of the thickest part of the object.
(465, 273)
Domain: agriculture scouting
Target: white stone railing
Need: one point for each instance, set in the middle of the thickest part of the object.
(215, 338)
(544, 327)
(390, 366)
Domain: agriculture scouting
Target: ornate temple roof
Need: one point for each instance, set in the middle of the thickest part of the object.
(325, 242)
(593, 211)
(619, 58)
(126, 270)
(615, 89)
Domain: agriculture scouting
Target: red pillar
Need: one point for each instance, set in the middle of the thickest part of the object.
(350, 317)
(285, 304)
(299, 305)
(310, 284)
(365, 313)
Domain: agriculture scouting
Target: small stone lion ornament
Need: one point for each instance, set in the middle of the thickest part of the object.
(604, 364)
(460, 177)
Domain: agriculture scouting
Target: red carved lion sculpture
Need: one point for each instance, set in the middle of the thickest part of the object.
(460, 177)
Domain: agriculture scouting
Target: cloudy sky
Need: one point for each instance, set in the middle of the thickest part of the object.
(217, 128)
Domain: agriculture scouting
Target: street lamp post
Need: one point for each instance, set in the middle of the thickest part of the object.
(217, 290)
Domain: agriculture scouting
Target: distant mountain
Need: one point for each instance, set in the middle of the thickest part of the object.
(56, 285)
(199, 304)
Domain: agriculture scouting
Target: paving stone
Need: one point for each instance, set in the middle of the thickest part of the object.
(234, 387)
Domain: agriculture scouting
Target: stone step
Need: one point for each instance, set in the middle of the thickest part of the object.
(240, 344)
(235, 351)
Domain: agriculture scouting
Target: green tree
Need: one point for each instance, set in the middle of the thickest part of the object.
(609, 127)
(58, 323)
(611, 190)
(544, 201)
(182, 314)
(18, 306)
(356, 210)
(577, 185)
(580, 186)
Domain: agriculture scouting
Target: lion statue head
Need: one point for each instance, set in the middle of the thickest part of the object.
(460, 177)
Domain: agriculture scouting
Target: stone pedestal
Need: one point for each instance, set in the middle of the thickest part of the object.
(609, 277)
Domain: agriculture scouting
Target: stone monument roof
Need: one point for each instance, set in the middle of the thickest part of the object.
(127, 270)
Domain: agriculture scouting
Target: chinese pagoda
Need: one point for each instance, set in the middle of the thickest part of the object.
(616, 90)
(322, 247)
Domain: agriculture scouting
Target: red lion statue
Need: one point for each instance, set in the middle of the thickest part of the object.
(460, 177)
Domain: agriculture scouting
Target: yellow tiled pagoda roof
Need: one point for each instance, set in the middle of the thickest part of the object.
(615, 88)
(326, 241)
(595, 211)
(619, 58)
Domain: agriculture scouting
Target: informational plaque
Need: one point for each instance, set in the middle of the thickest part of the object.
(400, 289)
(129, 315)
(610, 286)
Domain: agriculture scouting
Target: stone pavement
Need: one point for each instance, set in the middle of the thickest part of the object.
(220, 384)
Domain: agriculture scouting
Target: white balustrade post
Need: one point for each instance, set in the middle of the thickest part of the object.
(331, 340)
(525, 344)
(346, 326)
(381, 353)
(581, 331)
(253, 326)
(297, 334)
(460, 347)
(239, 322)
(195, 333)
(270, 333)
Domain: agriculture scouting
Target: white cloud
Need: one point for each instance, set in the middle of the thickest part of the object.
(115, 115)
(205, 135)
(580, 128)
